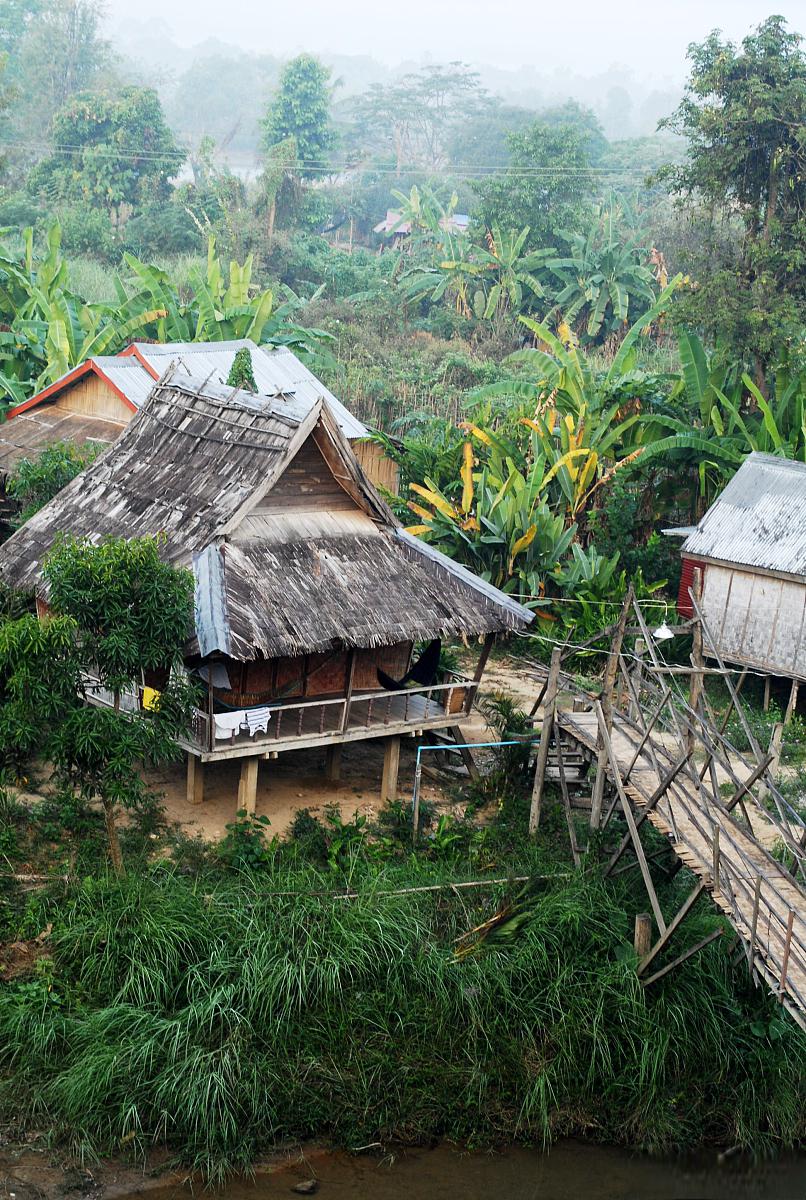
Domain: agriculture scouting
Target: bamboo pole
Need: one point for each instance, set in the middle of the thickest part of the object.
(569, 819)
(625, 804)
(606, 707)
(681, 958)
(545, 741)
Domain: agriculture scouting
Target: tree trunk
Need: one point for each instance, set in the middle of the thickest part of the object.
(272, 216)
(115, 852)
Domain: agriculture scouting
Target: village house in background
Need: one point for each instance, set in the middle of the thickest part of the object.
(395, 230)
(96, 400)
(750, 552)
(310, 597)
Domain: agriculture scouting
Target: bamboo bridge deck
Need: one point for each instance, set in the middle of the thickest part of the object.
(774, 925)
(668, 760)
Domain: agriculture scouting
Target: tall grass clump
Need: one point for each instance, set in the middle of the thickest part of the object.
(220, 1017)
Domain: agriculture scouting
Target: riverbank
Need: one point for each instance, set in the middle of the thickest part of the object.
(570, 1170)
(220, 1013)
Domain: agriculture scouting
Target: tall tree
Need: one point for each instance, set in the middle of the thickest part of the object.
(547, 186)
(121, 151)
(300, 109)
(58, 52)
(744, 115)
(132, 614)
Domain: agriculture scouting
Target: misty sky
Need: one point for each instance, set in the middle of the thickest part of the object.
(586, 36)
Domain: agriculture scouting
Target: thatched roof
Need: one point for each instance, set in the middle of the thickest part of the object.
(281, 568)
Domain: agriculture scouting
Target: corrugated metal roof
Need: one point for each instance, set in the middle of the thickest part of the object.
(127, 375)
(276, 370)
(759, 520)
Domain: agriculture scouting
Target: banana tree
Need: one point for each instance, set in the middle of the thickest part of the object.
(602, 278)
(500, 524)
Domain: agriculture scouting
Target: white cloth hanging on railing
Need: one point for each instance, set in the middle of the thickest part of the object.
(248, 720)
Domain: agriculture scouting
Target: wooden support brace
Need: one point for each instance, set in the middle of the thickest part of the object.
(787, 948)
(391, 765)
(464, 752)
(625, 804)
(751, 949)
(681, 958)
(674, 924)
(657, 795)
(247, 785)
(195, 780)
(545, 741)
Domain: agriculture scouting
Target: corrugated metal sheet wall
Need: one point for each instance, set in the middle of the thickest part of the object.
(684, 605)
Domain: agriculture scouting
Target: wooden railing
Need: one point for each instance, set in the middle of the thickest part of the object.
(411, 707)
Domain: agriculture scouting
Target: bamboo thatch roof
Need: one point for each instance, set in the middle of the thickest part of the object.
(284, 564)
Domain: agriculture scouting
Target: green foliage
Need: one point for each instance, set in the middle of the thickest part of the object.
(134, 611)
(743, 115)
(131, 612)
(245, 844)
(51, 328)
(241, 374)
(301, 110)
(39, 683)
(121, 151)
(547, 188)
(170, 1002)
(603, 280)
(34, 482)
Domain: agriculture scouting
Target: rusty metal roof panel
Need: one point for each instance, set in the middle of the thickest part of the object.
(759, 520)
(276, 370)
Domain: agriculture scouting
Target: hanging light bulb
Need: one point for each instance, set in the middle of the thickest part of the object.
(663, 632)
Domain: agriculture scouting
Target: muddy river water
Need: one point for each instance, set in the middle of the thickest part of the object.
(571, 1171)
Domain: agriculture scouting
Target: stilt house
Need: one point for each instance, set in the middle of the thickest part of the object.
(750, 551)
(96, 400)
(310, 597)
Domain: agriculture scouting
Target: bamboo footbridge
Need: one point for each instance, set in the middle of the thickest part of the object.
(662, 756)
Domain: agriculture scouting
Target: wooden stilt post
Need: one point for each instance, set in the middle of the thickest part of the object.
(195, 780)
(793, 702)
(247, 785)
(611, 671)
(545, 740)
(333, 762)
(642, 938)
(697, 661)
(391, 765)
(766, 704)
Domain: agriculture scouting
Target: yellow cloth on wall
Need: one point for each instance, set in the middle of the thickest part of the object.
(150, 698)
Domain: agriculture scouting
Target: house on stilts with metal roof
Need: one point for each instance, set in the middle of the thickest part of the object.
(310, 597)
(747, 557)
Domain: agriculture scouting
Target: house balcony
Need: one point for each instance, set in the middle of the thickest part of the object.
(321, 722)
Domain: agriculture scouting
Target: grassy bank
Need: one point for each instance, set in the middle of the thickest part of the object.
(221, 1011)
